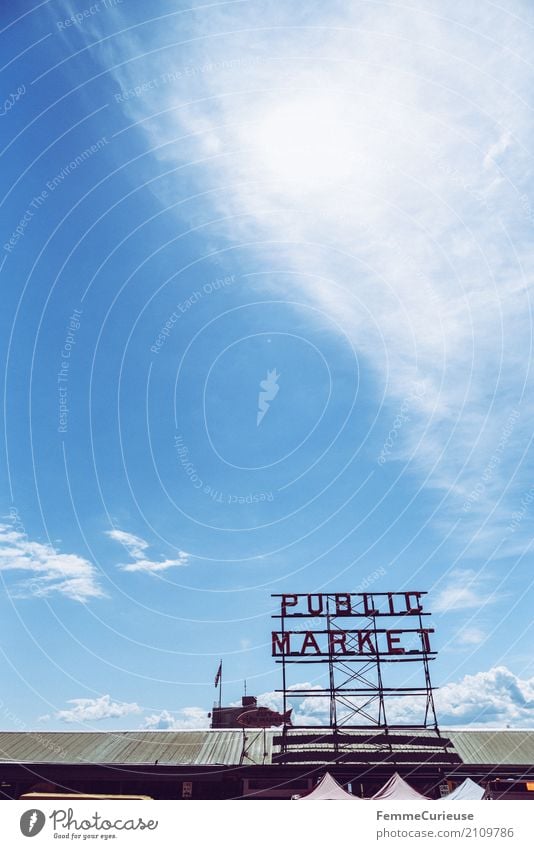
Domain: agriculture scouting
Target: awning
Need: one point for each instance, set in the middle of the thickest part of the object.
(327, 788)
(397, 788)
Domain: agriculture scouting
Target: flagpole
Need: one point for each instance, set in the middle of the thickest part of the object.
(220, 685)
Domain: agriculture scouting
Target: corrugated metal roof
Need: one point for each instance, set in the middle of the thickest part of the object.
(226, 747)
(494, 747)
(221, 747)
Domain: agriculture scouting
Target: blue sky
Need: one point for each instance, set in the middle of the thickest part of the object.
(211, 212)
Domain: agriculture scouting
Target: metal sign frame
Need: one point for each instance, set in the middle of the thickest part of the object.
(358, 682)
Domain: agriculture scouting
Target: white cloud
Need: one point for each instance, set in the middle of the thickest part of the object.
(497, 149)
(387, 166)
(51, 572)
(465, 589)
(496, 698)
(471, 636)
(104, 707)
(94, 710)
(189, 717)
(134, 545)
(136, 548)
(156, 565)
(493, 699)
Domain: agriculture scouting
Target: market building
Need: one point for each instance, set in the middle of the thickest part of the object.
(246, 763)
(368, 651)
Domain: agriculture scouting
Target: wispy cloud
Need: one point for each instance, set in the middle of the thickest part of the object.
(95, 710)
(48, 571)
(497, 149)
(136, 548)
(471, 636)
(134, 545)
(385, 153)
(465, 589)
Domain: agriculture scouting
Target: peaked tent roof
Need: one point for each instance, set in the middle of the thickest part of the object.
(468, 790)
(397, 788)
(328, 788)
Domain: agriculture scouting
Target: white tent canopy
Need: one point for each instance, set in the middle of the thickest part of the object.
(397, 789)
(328, 788)
(467, 791)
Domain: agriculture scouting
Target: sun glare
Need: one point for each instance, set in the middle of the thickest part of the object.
(306, 144)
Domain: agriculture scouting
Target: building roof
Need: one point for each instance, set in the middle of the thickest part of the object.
(494, 747)
(198, 748)
(221, 747)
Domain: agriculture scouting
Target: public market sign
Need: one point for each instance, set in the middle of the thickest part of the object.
(342, 635)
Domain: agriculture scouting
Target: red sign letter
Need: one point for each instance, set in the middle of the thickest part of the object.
(417, 608)
(342, 604)
(288, 601)
(424, 638)
(315, 611)
(310, 642)
(280, 643)
(369, 610)
(392, 642)
(337, 638)
(364, 638)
